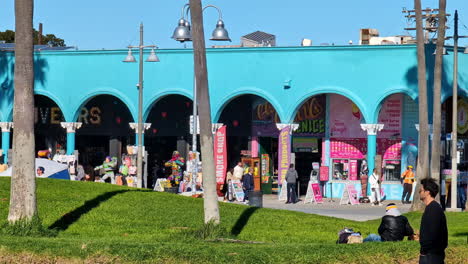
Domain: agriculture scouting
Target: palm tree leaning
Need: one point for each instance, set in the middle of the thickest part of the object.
(23, 205)
(211, 208)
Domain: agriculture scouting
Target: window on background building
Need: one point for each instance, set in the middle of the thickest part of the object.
(391, 170)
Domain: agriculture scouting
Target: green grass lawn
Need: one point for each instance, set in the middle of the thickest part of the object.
(105, 223)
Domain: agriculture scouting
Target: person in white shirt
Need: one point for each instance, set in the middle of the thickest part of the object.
(374, 181)
(238, 171)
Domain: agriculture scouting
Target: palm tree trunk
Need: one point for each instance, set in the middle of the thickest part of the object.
(23, 181)
(206, 137)
(436, 121)
(422, 169)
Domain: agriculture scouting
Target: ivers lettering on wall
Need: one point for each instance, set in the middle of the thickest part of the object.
(53, 115)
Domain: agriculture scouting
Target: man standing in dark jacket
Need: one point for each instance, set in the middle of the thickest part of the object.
(247, 184)
(291, 179)
(394, 226)
(434, 233)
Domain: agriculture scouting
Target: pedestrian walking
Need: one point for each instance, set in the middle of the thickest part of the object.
(238, 171)
(434, 234)
(291, 179)
(408, 178)
(374, 181)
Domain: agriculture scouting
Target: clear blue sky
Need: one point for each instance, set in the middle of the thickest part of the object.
(99, 24)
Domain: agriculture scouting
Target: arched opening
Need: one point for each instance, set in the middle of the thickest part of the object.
(49, 134)
(105, 130)
(252, 136)
(397, 141)
(329, 136)
(462, 132)
(169, 131)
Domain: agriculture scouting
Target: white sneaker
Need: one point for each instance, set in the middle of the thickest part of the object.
(380, 204)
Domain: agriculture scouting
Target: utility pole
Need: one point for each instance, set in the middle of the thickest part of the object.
(430, 16)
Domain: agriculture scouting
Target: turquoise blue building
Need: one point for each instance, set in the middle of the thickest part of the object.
(340, 96)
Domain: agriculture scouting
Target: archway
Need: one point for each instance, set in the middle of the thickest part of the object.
(169, 131)
(329, 135)
(252, 135)
(397, 141)
(105, 130)
(49, 135)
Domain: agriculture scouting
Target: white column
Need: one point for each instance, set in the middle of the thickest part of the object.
(215, 127)
(292, 126)
(71, 129)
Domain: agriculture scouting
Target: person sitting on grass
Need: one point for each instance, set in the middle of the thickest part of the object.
(394, 226)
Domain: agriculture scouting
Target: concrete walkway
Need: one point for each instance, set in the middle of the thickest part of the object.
(360, 212)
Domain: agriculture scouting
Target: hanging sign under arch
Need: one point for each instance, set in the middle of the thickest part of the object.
(462, 118)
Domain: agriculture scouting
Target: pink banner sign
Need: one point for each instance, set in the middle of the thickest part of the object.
(317, 193)
(284, 154)
(254, 144)
(220, 156)
(324, 173)
(353, 194)
(353, 170)
(348, 148)
(390, 116)
(345, 118)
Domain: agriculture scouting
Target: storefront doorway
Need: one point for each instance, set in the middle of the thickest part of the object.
(169, 131)
(105, 130)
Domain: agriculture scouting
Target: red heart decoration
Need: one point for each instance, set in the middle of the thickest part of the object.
(164, 114)
(235, 123)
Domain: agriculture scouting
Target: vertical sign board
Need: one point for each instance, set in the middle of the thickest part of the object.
(350, 195)
(238, 192)
(317, 194)
(313, 193)
(284, 156)
(324, 172)
(220, 156)
(353, 170)
(265, 167)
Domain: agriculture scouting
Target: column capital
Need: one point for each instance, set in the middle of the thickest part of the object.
(71, 126)
(372, 129)
(134, 126)
(292, 126)
(215, 127)
(6, 126)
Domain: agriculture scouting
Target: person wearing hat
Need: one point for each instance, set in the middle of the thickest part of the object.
(394, 226)
(408, 179)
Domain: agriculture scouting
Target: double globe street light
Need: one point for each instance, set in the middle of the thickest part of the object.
(139, 129)
(183, 33)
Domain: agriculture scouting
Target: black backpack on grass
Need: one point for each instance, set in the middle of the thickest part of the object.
(343, 235)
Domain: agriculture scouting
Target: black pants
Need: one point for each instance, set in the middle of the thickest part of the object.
(431, 259)
(407, 190)
(292, 192)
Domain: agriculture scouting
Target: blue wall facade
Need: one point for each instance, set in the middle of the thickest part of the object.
(284, 76)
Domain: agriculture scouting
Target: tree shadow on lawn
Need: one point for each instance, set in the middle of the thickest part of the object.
(69, 218)
(242, 221)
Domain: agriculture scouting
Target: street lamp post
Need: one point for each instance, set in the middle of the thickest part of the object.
(183, 33)
(453, 154)
(130, 58)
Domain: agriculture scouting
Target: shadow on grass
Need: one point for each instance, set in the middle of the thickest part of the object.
(462, 234)
(69, 218)
(242, 221)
